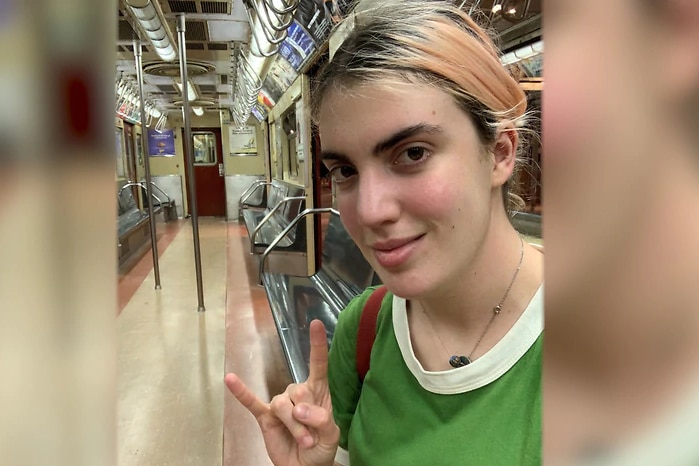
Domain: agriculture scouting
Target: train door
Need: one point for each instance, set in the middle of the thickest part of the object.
(208, 172)
(131, 174)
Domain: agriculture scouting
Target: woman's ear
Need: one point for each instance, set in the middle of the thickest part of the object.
(504, 153)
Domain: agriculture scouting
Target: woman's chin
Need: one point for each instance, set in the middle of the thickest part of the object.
(406, 288)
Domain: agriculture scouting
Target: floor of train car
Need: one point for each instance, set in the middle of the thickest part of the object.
(173, 408)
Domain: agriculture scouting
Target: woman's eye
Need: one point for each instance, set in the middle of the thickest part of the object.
(342, 173)
(412, 156)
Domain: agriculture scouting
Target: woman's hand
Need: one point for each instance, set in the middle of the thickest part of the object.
(297, 426)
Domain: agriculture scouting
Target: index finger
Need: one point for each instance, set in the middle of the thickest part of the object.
(318, 370)
(246, 398)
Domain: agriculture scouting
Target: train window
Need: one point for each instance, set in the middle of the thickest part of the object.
(294, 159)
(204, 145)
(276, 134)
(120, 150)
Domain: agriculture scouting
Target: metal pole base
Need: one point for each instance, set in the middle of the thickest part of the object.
(201, 309)
(158, 287)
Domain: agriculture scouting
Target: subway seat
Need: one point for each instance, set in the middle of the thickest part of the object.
(264, 224)
(295, 301)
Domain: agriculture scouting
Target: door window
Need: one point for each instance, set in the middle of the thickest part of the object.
(204, 148)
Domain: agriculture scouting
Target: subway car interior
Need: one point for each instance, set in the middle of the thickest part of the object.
(229, 241)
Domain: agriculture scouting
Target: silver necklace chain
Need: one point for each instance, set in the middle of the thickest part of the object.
(460, 361)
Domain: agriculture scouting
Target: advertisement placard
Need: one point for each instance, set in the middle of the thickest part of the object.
(161, 143)
(243, 140)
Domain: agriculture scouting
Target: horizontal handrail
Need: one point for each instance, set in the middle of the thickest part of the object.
(128, 185)
(289, 8)
(281, 27)
(246, 68)
(142, 186)
(285, 231)
(163, 192)
(269, 215)
(257, 41)
(251, 189)
(271, 36)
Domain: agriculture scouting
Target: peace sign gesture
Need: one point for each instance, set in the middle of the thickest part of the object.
(297, 426)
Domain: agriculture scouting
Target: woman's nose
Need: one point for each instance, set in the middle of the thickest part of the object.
(377, 200)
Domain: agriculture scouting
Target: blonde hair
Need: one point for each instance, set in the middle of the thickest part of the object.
(428, 42)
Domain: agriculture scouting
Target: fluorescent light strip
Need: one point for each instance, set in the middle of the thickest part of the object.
(191, 90)
(155, 30)
(522, 53)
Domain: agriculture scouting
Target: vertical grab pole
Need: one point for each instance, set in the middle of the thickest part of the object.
(189, 150)
(144, 146)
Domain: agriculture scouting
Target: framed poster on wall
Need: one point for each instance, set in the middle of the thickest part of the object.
(243, 140)
(161, 143)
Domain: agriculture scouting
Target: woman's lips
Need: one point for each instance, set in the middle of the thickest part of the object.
(395, 252)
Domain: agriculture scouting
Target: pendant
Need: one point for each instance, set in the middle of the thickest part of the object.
(459, 361)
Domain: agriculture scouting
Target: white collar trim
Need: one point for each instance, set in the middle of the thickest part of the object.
(483, 370)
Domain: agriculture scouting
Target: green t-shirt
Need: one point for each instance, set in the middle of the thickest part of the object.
(486, 413)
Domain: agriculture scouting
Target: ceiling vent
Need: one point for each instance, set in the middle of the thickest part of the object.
(180, 6)
(218, 46)
(172, 70)
(126, 32)
(207, 88)
(166, 88)
(215, 7)
(195, 30)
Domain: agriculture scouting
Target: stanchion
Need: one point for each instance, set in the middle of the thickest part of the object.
(189, 150)
(144, 144)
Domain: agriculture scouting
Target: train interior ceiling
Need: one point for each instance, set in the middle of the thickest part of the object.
(265, 202)
(253, 120)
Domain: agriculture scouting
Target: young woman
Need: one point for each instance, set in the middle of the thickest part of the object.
(418, 123)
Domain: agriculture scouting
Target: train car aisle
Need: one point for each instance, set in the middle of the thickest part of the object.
(173, 408)
(253, 352)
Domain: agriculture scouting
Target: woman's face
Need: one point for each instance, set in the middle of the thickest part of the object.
(412, 182)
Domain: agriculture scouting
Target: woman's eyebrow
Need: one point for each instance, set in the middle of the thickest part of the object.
(405, 133)
(388, 142)
(326, 155)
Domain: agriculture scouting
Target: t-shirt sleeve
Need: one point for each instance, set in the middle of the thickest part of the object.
(345, 386)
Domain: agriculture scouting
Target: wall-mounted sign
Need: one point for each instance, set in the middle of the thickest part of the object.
(243, 140)
(259, 112)
(264, 101)
(161, 143)
(291, 54)
(279, 78)
(300, 42)
(315, 19)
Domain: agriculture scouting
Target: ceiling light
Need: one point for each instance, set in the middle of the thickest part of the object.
(155, 27)
(523, 53)
(191, 90)
(198, 111)
(497, 8)
(228, 31)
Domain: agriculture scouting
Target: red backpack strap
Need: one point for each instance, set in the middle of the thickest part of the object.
(367, 330)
